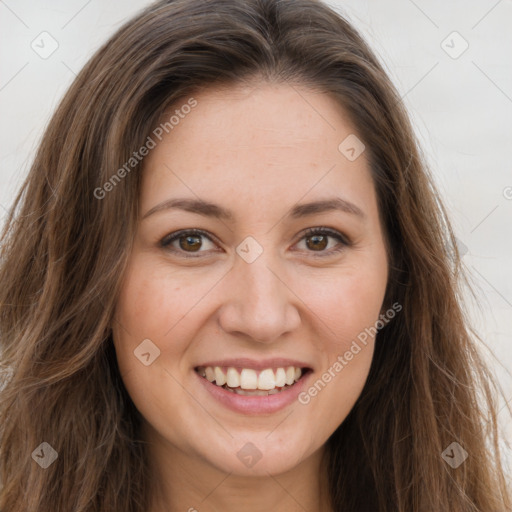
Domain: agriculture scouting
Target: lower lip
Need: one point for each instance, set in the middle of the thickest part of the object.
(254, 404)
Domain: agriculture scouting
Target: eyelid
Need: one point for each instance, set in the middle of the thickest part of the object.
(334, 233)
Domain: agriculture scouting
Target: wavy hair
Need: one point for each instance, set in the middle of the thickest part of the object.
(64, 252)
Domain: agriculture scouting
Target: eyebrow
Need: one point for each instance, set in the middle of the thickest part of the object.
(208, 209)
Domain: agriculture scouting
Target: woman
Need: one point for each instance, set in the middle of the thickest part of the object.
(227, 284)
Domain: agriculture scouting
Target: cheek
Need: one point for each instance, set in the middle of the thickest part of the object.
(349, 307)
(139, 316)
(158, 305)
(349, 303)
(152, 301)
(148, 307)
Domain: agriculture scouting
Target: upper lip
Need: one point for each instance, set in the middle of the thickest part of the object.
(256, 364)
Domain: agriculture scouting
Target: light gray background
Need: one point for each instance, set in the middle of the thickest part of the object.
(461, 108)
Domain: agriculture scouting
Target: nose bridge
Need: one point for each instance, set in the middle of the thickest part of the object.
(257, 302)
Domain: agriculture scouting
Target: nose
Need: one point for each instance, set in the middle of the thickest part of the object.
(258, 304)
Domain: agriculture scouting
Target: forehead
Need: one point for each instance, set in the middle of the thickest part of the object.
(262, 113)
(255, 143)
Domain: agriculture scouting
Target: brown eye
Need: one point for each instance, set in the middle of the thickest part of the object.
(317, 242)
(189, 241)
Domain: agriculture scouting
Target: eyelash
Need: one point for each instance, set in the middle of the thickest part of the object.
(344, 241)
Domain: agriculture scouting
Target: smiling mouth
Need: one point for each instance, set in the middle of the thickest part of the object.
(250, 382)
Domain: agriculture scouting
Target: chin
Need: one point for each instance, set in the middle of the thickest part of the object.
(257, 454)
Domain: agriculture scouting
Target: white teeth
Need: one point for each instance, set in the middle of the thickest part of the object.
(220, 378)
(267, 380)
(280, 377)
(209, 373)
(290, 375)
(247, 379)
(232, 378)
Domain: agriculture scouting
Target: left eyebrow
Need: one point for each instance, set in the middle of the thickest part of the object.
(326, 205)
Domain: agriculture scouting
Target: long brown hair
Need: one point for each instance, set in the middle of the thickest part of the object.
(64, 251)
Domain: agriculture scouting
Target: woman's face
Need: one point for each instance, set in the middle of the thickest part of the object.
(253, 291)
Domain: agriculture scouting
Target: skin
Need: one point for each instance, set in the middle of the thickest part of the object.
(258, 151)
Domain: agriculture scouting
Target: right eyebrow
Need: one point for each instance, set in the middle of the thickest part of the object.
(198, 206)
